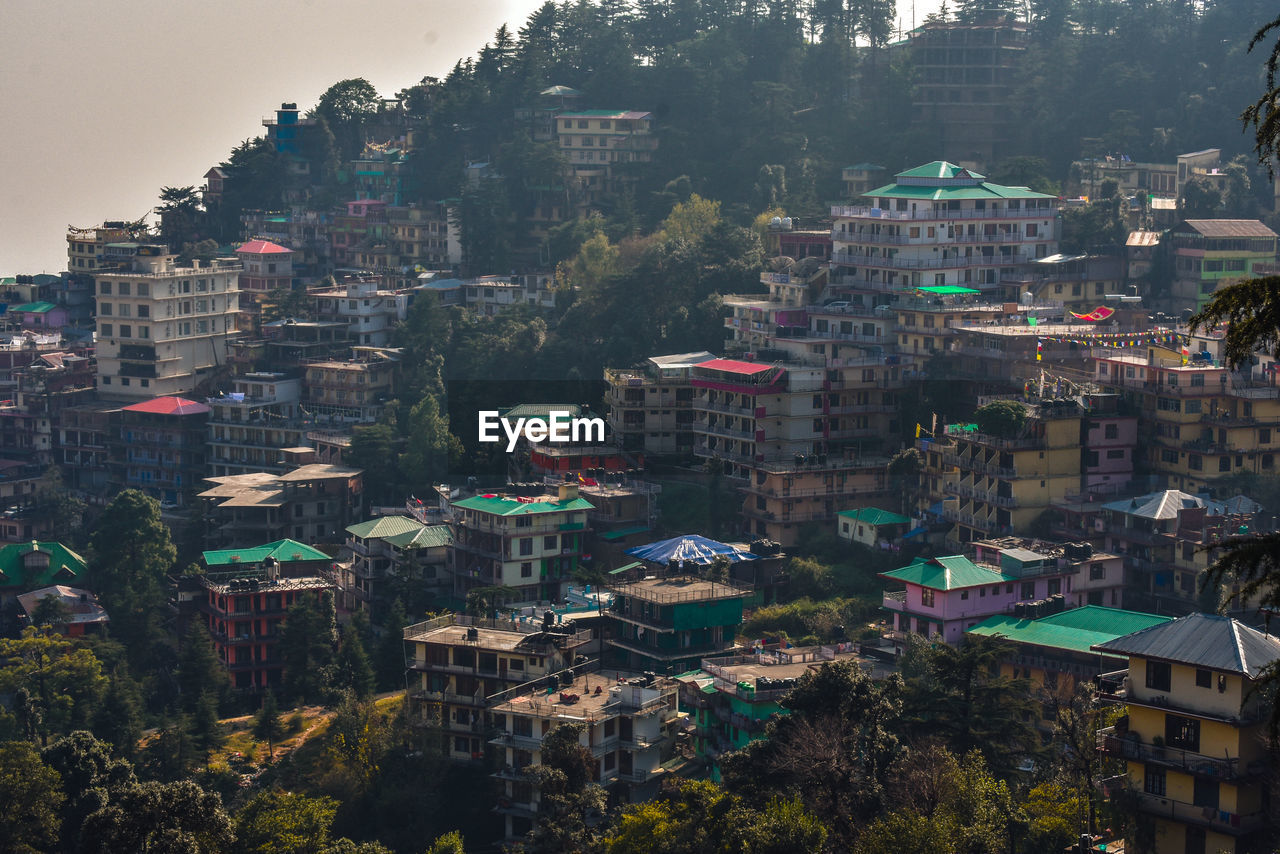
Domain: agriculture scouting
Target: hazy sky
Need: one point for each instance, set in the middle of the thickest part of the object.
(104, 102)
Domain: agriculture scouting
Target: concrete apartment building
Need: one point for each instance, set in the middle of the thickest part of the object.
(393, 547)
(651, 405)
(601, 145)
(249, 426)
(455, 662)
(629, 726)
(164, 329)
(352, 390)
(1209, 254)
(245, 594)
(159, 447)
(998, 486)
(1192, 737)
(311, 502)
(668, 624)
(968, 71)
(370, 314)
(267, 267)
(1201, 421)
(939, 224)
(530, 544)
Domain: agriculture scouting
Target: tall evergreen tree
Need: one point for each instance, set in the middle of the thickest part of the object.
(199, 671)
(267, 725)
(352, 670)
(390, 663)
(306, 649)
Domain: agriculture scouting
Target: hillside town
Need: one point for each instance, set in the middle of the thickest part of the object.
(910, 517)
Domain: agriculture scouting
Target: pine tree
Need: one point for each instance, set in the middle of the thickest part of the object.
(206, 731)
(119, 719)
(198, 669)
(267, 725)
(353, 671)
(306, 649)
(391, 649)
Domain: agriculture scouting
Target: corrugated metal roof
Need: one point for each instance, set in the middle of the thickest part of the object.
(1202, 640)
(1228, 228)
(874, 516)
(1143, 238)
(384, 526)
(947, 573)
(1076, 630)
(501, 506)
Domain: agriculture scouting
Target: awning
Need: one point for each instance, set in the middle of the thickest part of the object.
(623, 532)
(947, 290)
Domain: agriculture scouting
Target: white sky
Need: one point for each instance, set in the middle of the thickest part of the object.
(102, 103)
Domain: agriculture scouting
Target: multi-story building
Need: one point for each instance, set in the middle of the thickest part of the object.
(306, 232)
(1200, 420)
(83, 431)
(1192, 738)
(668, 624)
(1000, 484)
(267, 267)
(1055, 653)
(942, 597)
(353, 390)
(530, 544)
(629, 725)
(651, 405)
(1089, 576)
(455, 662)
(286, 132)
(491, 295)
(361, 237)
(164, 329)
(159, 447)
(1163, 537)
(312, 502)
(423, 236)
(371, 314)
(940, 224)
(247, 593)
(731, 699)
(602, 145)
(968, 71)
(1156, 180)
(249, 426)
(393, 547)
(1208, 254)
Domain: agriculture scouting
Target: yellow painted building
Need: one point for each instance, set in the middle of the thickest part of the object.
(1201, 421)
(1193, 736)
(1000, 485)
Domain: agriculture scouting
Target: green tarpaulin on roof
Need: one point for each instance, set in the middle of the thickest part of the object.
(626, 568)
(947, 290)
(623, 532)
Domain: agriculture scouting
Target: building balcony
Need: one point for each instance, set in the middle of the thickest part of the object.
(1231, 824)
(959, 262)
(983, 495)
(895, 600)
(1213, 767)
(882, 214)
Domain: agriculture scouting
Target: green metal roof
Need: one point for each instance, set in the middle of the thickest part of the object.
(939, 169)
(384, 527)
(947, 290)
(428, 536)
(65, 566)
(1076, 630)
(626, 567)
(34, 307)
(501, 506)
(961, 192)
(542, 410)
(282, 550)
(874, 516)
(947, 573)
(623, 532)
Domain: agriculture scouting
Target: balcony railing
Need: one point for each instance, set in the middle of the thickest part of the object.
(861, 212)
(1217, 767)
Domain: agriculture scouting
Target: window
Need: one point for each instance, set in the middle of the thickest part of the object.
(1153, 782)
(1204, 679)
(104, 289)
(1097, 572)
(144, 289)
(526, 546)
(964, 594)
(1182, 732)
(549, 543)
(1028, 590)
(105, 330)
(1158, 675)
(126, 331)
(144, 311)
(1111, 431)
(124, 289)
(104, 309)
(524, 521)
(926, 597)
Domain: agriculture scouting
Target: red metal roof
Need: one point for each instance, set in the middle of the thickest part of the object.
(169, 406)
(733, 366)
(263, 247)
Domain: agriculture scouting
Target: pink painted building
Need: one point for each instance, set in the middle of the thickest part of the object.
(944, 596)
(1109, 441)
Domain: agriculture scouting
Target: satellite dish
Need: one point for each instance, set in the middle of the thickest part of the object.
(786, 222)
(776, 221)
